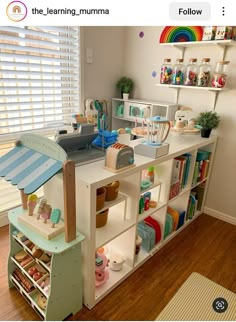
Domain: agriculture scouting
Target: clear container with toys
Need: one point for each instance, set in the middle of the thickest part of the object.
(178, 72)
(166, 72)
(204, 73)
(220, 76)
(191, 74)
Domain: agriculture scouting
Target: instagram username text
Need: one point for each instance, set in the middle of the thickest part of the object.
(71, 12)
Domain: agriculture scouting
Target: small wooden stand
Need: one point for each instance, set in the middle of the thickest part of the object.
(43, 229)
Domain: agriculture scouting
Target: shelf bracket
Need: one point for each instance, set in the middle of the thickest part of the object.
(214, 99)
(177, 95)
(181, 49)
(223, 50)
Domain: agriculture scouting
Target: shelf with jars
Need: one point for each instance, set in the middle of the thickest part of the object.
(195, 76)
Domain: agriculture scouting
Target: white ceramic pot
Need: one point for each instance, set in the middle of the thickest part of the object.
(116, 262)
(125, 96)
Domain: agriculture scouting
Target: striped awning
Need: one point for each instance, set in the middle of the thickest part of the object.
(32, 162)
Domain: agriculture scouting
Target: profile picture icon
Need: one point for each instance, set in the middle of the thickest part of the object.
(16, 11)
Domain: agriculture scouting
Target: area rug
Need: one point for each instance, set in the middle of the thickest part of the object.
(200, 299)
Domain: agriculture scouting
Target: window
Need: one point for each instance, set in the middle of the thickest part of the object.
(39, 85)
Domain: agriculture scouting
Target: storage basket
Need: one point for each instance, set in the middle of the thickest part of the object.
(101, 218)
(101, 195)
(112, 191)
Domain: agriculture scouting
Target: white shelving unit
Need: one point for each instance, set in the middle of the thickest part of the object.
(127, 112)
(119, 233)
(222, 46)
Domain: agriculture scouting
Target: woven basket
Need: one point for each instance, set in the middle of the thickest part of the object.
(101, 218)
(112, 190)
(100, 201)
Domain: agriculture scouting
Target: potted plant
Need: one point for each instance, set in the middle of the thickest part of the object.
(125, 85)
(207, 121)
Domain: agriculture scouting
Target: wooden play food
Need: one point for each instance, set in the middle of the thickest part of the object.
(101, 218)
(112, 191)
(101, 194)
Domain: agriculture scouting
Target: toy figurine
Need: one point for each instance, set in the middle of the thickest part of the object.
(55, 217)
(46, 213)
(42, 203)
(32, 201)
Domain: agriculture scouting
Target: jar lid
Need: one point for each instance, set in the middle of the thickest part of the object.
(168, 60)
(180, 60)
(193, 60)
(223, 62)
(206, 60)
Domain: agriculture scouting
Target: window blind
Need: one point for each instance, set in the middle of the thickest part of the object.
(39, 85)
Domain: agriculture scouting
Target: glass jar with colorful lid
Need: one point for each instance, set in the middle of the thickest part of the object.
(178, 72)
(191, 74)
(204, 74)
(166, 71)
(220, 75)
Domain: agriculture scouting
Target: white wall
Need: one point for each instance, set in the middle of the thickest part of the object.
(119, 51)
(143, 56)
(99, 78)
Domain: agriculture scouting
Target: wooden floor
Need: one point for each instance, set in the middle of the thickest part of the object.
(207, 246)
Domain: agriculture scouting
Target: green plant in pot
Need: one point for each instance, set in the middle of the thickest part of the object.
(125, 85)
(207, 121)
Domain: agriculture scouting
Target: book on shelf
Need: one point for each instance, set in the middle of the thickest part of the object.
(199, 194)
(188, 157)
(192, 206)
(175, 170)
(204, 170)
(180, 172)
(174, 189)
(182, 161)
(201, 169)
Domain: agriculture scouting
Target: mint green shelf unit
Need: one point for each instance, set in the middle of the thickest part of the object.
(65, 296)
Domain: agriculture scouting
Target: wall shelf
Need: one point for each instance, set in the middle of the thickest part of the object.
(211, 89)
(215, 91)
(221, 44)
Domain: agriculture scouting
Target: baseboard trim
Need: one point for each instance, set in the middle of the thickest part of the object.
(220, 215)
(4, 220)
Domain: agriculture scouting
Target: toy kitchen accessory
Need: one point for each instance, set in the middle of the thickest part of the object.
(157, 131)
(101, 270)
(79, 145)
(119, 157)
(185, 121)
(116, 262)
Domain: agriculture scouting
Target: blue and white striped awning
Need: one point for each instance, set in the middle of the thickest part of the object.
(32, 163)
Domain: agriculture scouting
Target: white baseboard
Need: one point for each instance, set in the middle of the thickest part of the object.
(219, 215)
(4, 219)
